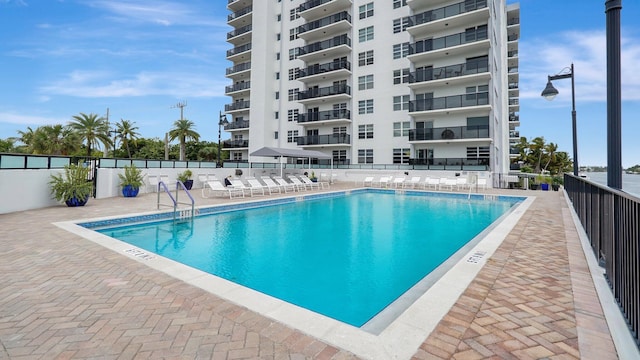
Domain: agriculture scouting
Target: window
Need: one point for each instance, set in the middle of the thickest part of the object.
(480, 152)
(339, 156)
(237, 156)
(365, 58)
(401, 156)
(276, 115)
(278, 76)
(293, 53)
(400, 25)
(277, 95)
(401, 128)
(293, 94)
(365, 131)
(400, 50)
(366, 10)
(401, 76)
(294, 13)
(365, 34)
(275, 135)
(340, 130)
(292, 136)
(365, 106)
(293, 33)
(279, 17)
(365, 156)
(277, 56)
(399, 3)
(365, 82)
(294, 73)
(278, 36)
(292, 115)
(401, 102)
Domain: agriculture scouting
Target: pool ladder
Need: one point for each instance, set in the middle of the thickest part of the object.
(179, 214)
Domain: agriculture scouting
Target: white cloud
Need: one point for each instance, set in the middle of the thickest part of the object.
(588, 52)
(21, 119)
(86, 84)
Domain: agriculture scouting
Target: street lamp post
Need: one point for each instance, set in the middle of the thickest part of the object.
(550, 92)
(614, 95)
(222, 122)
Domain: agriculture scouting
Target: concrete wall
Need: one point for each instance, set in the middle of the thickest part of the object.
(25, 190)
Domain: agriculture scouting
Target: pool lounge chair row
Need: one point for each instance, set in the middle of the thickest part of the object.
(415, 182)
(260, 187)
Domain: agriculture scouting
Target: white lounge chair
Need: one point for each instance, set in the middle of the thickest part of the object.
(383, 181)
(238, 184)
(271, 184)
(152, 183)
(297, 183)
(284, 184)
(216, 187)
(412, 183)
(397, 182)
(482, 183)
(446, 183)
(461, 183)
(433, 184)
(368, 181)
(257, 189)
(310, 184)
(256, 184)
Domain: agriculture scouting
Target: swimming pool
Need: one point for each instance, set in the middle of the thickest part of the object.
(346, 257)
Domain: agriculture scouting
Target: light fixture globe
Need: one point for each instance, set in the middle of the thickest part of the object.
(549, 91)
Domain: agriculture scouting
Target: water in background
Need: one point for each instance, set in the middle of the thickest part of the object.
(630, 182)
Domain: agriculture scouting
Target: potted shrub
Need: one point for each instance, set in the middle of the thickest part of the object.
(556, 181)
(533, 185)
(313, 177)
(544, 182)
(185, 178)
(131, 181)
(72, 186)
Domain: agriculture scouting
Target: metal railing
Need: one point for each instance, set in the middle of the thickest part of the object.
(238, 124)
(611, 220)
(335, 18)
(477, 164)
(466, 37)
(325, 44)
(324, 139)
(239, 49)
(325, 91)
(447, 11)
(239, 13)
(445, 72)
(324, 68)
(239, 68)
(449, 102)
(174, 200)
(239, 31)
(324, 115)
(449, 133)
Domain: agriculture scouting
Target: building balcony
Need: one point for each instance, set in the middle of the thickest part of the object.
(477, 164)
(239, 105)
(237, 87)
(334, 69)
(236, 5)
(239, 31)
(513, 21)
(235, 144)
(314, 9)
(240, 16)
(332, 47)
(334, 24)
(448, 17)
(333, 139)
(235, 53)
(320, 117)
(237, 125)
(448, 73)
(514, 134)
(239, 68)
(449, 102)
(335, 90)
(450, 133)
(453, 45)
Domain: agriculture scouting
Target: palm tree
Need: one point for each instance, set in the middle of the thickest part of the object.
(55, 140)
(92, 128)
(127, 132)
(536, 148)
(26, 137)
(550, 150)
(183, 129)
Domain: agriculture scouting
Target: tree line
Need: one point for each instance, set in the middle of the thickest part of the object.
(539, 157)
(85, 134)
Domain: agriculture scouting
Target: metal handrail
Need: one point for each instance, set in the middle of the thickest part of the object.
(174, 200)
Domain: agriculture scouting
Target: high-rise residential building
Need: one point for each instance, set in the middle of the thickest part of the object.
(431, 83)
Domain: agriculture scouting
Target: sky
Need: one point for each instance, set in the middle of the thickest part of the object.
(140, 59)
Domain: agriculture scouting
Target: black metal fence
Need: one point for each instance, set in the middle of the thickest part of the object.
(611, 220)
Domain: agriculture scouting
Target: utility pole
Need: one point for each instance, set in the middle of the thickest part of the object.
(181, 105)
(106, 146)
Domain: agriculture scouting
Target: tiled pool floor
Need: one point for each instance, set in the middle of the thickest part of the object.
(62, 296)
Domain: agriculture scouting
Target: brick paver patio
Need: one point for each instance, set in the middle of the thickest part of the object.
(64, 297)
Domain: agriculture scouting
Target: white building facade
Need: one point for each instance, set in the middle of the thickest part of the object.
(427, 83)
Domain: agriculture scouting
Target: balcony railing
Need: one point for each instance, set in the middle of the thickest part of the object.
(234, 144)
(239, 49)
(238, 87)
(319, 69)
(452, 163)
(240, 124)
(513, 53)
(449, 102)
(466, 37)
(449, 71)
(324, 45)
(324, 22)
(239, 13)
(610, 220)
(237, 106)
(514, 117)
(512, 37)
(449, 133)
(326, 91)
(513, 21)
(514, 102)
(238, 31)
(513, 86)
(311, 4)
(447, 11)
(514, 134)
(335, 139)
(324, 115)
(239, 68)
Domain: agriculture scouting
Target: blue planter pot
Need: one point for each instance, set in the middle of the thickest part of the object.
(73, 202)
(130, 191)
(545, 187)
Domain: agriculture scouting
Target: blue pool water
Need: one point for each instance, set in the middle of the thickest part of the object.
(344, 257)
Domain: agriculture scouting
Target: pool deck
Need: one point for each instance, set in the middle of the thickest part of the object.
(63, 297)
